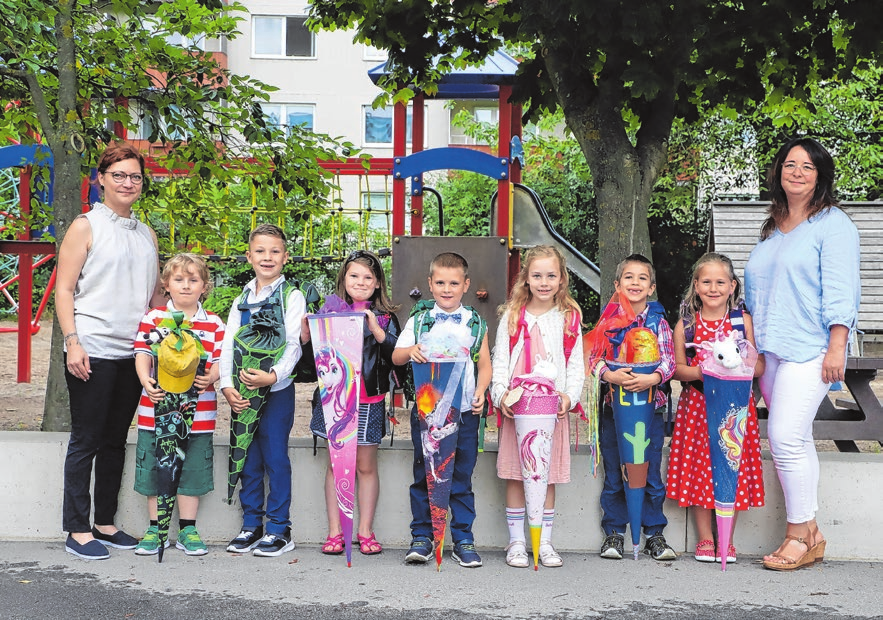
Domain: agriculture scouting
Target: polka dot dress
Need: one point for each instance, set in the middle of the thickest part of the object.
(689, 470)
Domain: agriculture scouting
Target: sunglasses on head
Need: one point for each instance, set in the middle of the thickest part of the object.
(361, 254)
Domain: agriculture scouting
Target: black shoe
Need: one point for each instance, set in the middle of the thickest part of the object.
(658, 549)
(273, 545)
(118, 540)
(246, 540)
(92, 550)
(420, 551)
(612, 547)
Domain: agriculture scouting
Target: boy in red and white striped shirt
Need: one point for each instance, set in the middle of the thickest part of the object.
(186, 280)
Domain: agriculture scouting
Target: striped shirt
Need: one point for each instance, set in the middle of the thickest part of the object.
(209, 327)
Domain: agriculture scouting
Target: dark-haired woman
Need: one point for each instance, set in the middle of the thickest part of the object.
(803, 290)
(107, 278)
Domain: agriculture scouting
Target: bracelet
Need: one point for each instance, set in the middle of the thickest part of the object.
(71, 335)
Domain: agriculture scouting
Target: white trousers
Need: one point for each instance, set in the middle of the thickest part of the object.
(792, 392)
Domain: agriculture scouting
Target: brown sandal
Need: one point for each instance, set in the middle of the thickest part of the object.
(807, 558)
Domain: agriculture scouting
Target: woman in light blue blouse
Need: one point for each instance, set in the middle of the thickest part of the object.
(803, 291)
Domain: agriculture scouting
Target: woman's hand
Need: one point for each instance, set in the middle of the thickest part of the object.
(78, 360)
(834, 363)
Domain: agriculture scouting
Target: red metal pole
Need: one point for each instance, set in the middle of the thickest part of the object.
(399, 120)
(417, 124)
(25, 284)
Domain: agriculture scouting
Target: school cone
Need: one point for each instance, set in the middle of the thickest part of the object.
(633, 415)
(337, 349)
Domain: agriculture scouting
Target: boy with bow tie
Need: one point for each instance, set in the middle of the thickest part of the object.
(446, 328)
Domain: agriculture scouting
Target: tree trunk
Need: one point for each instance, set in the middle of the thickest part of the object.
(63, 138)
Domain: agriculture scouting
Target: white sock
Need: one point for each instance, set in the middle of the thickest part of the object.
(548, 521)
(515, 521)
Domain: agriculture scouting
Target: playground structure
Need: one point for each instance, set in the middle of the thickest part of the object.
(518, 218)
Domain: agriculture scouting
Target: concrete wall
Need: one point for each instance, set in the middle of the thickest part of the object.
(849, 511)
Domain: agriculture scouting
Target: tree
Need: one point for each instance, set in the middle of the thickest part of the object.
(622, 72)
(71, 68)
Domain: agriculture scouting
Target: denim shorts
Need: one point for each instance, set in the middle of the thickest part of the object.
(196, 475)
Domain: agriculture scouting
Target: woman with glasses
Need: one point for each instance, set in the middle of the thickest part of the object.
(107, 279)
(803, 290)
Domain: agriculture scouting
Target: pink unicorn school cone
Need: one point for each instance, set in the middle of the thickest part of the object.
(633, 415)
(438, 389)
(337, 349)
(536, 412)
(727, 372)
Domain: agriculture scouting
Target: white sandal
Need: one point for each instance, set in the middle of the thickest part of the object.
(549, 557)
(516, 554)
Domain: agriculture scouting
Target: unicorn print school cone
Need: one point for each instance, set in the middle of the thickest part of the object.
(337, 349)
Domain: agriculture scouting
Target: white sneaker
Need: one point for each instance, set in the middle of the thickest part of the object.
(549, 557)
(516, 554)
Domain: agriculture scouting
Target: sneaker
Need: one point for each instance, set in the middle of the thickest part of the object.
(246, 540)
(92, 550)
(272, 545)
(117, 540)
(420, 551)
(149, 545)
(658, 549)
(190, 543)
(464, 553)
(612, 547)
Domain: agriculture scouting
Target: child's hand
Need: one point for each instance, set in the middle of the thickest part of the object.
(415, 354)
(507, 411)
(641, 383)
(237, 403)
(154, 393)
(617, 377)
(478, 403)
(305, 330)
(201, 382)
(374, 326)
(563, 405)
(254, 378)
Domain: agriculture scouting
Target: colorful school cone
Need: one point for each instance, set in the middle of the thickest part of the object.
(633, 415)
(438, 392)
(337, 349)
(258, 344)
(727, 395)
(536, 413)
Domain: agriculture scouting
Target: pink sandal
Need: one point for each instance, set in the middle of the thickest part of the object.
(368, 545)
(333, 545)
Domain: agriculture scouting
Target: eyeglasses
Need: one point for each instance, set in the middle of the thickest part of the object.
(120, 177)
(805, 168)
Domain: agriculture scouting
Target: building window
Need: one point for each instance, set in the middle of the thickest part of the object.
(289, 115)
(377, 208)
(378, 125)
(485, 114)
(282, 37)
(369, 52)
(179, 40)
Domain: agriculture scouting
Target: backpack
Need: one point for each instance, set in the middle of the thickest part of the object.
(305, 369)
(423, 322)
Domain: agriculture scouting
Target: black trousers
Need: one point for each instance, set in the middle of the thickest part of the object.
(102, 409)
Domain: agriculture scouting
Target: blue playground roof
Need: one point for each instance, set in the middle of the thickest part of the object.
(481, 82)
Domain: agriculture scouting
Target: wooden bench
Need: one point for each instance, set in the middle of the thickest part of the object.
(735, 230)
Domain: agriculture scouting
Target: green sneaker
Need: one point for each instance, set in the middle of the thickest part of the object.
(190, 543)
(149, 544)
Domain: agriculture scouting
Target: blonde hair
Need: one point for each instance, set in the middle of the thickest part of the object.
(520, 295)
(692, 304)
(449, 260)
(185, 262)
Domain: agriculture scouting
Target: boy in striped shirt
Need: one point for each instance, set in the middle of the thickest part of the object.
(186, 280)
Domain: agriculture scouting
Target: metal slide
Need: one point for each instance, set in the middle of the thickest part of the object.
(531, 226)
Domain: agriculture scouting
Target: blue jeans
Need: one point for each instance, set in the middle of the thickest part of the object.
(613, 503)
(268, 454)
(462, 498)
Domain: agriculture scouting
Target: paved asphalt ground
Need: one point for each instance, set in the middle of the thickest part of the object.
(40, 580)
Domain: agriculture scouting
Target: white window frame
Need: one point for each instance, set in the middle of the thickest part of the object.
(283, 112)
(282, 33)
(369, 52)
(462, 138)
(368, 108)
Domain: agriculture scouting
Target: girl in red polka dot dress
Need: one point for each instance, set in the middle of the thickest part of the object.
(711, 305)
